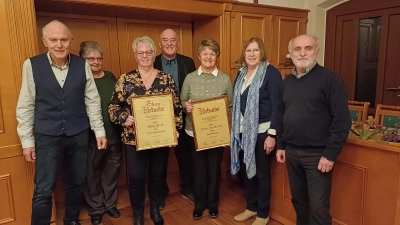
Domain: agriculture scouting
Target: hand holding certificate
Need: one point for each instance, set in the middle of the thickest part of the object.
(210, 119)
(154, 121)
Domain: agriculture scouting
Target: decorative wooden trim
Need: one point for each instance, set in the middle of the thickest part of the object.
(269, 10)
(194, 7)
(1, 118)
(363, 204)
(7, 179)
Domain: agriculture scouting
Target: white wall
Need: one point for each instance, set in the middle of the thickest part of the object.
(316, 17)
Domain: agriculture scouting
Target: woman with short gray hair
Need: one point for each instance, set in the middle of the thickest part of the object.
(143, 81)
(205, 83)
(102, 165)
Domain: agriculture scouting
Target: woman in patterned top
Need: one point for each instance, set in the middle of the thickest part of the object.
(144, 81)
(205, 83)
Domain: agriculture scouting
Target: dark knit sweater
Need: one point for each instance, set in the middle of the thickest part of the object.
(313, 114)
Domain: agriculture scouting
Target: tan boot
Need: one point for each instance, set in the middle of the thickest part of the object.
(247, 214)
(260, 221)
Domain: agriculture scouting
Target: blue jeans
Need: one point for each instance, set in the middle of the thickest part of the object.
(51, 151)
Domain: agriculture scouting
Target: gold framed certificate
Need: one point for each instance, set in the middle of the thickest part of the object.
(154, 121)
(211, 126)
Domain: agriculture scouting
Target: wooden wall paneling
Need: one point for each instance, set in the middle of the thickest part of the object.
(129, 30)
(182, 7)
(87, 28)
(286, 71)
(18, 42)
(362, 187)
(245, 26)
(285, 28)
(209, 28)
(392, 59)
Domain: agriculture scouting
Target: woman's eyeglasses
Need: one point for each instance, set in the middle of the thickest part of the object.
(92, 59)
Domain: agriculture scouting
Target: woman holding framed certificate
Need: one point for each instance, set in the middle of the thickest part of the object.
(144, 81)
(205, 83)
(256, 98)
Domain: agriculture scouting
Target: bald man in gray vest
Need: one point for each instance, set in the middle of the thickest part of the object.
(59, 102)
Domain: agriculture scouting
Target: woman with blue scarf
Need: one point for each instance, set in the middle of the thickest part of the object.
(255, 101)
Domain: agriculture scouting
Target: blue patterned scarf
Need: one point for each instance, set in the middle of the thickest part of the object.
(250, 123)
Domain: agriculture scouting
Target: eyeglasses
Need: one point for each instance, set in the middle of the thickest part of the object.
(254, 51)
(92, 59)
(141, 54)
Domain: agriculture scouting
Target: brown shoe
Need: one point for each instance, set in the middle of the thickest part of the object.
(247, 214)
(260, 221)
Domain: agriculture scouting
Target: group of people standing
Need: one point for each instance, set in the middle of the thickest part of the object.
(304, 118)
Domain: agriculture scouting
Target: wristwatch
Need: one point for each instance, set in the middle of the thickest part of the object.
(271, 135)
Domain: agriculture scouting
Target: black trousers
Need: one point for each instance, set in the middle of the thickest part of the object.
(258, 188)
(51, 151)
(185, 164)
(207, 176)
(142, 165)
(310, 188)
(102, 177)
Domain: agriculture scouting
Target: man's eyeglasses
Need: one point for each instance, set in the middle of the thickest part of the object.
(92, 59)
(141, 54)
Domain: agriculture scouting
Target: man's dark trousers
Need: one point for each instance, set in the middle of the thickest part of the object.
(185, 163)
(51, 151)
(310, 188)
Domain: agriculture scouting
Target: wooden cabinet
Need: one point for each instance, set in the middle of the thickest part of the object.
(245, 26)
(276, 26)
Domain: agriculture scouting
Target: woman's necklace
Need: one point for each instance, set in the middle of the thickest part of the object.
(148, 76)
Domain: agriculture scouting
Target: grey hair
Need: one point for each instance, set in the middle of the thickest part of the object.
(144, 40)
(290, 46)
(89, 46)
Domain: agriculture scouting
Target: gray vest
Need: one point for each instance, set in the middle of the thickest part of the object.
(59, 110)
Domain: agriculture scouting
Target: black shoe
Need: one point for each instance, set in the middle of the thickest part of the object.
(72, 223)
(156, 216)
(138, 220)
(189, 197)
(113, 212)
(96, 219)
(197, 214)
(162, 204)
(213, 214)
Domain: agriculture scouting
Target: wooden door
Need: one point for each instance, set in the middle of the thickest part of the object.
(16, 176)
(391, 66)
(343, 43)
(130, 29)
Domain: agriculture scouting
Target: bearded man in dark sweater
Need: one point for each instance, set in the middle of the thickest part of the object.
(313, 125)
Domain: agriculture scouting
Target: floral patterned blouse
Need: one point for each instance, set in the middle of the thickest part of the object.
(129, 85)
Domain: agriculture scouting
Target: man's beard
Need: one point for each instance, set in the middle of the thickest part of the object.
(304, 63)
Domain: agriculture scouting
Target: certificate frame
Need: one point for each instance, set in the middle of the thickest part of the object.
(211, 126)
(155, 124)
